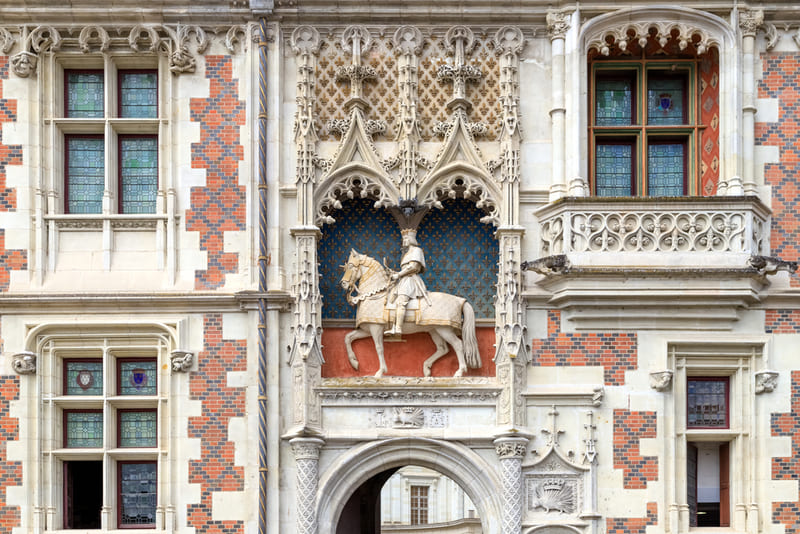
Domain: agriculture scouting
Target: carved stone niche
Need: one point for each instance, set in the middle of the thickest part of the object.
(558, 492)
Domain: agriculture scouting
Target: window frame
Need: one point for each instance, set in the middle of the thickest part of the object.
(66, 84)
(119, 413)
(641, 134)
(65, 429)
(65, 378)
(122, 72)
(120, 139)
(67, 138)
(422, 505)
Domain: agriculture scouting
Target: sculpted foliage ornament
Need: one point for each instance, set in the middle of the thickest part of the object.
(93, 34)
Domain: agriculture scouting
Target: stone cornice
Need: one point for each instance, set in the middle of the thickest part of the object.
(127, 12)
(140, 302)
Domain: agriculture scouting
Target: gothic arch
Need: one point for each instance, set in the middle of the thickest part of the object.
(461, 179)
(703, 29)
(456, 461)
(353, 180)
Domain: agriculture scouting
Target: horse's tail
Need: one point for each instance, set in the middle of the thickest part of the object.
(471, 353)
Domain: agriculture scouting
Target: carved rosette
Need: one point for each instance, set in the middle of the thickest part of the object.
(306, 454)
(24, 363)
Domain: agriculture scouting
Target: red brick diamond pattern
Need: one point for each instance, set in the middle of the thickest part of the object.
(629, 428)
(788, 468)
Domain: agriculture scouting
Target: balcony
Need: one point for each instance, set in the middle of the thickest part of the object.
(652, 262)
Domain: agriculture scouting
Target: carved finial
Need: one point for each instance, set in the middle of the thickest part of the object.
(305, 40)
(460, 41)
(181, 360)
(408, 40)
(355, 40)
(509, 40)
(590, 452)
(552, 433)
(24, 363)
(557, 24)
(661, 380)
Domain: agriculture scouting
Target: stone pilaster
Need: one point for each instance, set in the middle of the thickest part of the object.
(306, 455)
(511, 451)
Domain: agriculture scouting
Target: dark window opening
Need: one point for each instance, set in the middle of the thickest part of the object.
(708, 482)
(83, 494)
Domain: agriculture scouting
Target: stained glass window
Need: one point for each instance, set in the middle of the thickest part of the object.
(613, 103)
(84, 92)
(138, 174)
(83, 429)
(83, 377)
(707, 403)
(137, 428)
(665, 101)
(85, 174)
(137, 377)
(614, 170)
(138, 95)
(137, 493)
(665, 168)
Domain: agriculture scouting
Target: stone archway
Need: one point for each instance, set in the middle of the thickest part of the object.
(360, 464)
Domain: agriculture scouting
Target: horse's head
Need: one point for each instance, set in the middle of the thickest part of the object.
(352, 271)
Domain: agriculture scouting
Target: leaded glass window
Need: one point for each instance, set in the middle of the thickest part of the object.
(137, 428)
(614, 105)
(614, 169)
(665, 169)
(83, 377)
(138, 173)
(84, 94)
(137, 494)
(707, 402)
(83, 429)
(138, 94)
(645, 124)
(137, 377)
(85, 174)
(665, 101)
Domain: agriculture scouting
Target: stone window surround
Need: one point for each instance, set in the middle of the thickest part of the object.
(162, 224)
(53, 343)
(739, 361)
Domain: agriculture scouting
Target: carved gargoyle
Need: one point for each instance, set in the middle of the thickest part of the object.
(771, 265)
(548, 265)
(24, 363)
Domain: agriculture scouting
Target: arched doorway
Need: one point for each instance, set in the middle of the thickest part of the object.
(350, 489)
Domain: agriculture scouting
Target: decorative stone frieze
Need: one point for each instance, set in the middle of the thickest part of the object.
(180, 43)
(411, 417)
(766, 381)
(661, 380)
(181, 360)
(24, 363)
(621, 35)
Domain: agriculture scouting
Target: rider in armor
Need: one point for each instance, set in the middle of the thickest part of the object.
(408, 282)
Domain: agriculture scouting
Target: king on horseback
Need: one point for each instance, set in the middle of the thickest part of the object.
(408, 283)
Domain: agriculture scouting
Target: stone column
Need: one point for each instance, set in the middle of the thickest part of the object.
(306, 455)
(749, 22)
(511, 450)
(557, 26)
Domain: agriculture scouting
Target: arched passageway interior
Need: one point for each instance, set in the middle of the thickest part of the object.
(409, 499)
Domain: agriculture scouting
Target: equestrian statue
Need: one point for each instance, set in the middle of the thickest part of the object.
(391, 304)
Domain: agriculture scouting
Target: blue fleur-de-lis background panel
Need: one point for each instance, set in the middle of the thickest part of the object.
(461, 254)
(358, 226)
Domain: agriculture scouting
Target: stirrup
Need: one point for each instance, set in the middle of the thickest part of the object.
(393, 331)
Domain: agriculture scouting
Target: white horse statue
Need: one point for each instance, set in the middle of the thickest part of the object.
(440, 316)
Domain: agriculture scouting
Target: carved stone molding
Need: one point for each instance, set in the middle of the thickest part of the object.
(181, 360)
(24, 363)
(750, 20)
(411, 417)
(766, 381)
(180, 43)
(558, 24)
(306, 448)
(604, 40)
(661, 380)
(472, 391)
(510, 447)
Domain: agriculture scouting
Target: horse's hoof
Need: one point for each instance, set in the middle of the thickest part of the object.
(380, 373)
(426, 370)
(459, 373)
(354, 363)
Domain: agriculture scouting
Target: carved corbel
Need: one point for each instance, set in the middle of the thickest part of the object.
(181, 360)
(42, 38)
(766, 381)
(768, 265)
(661, 380)
(556, 264)
(557, 24)
(24, 363)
